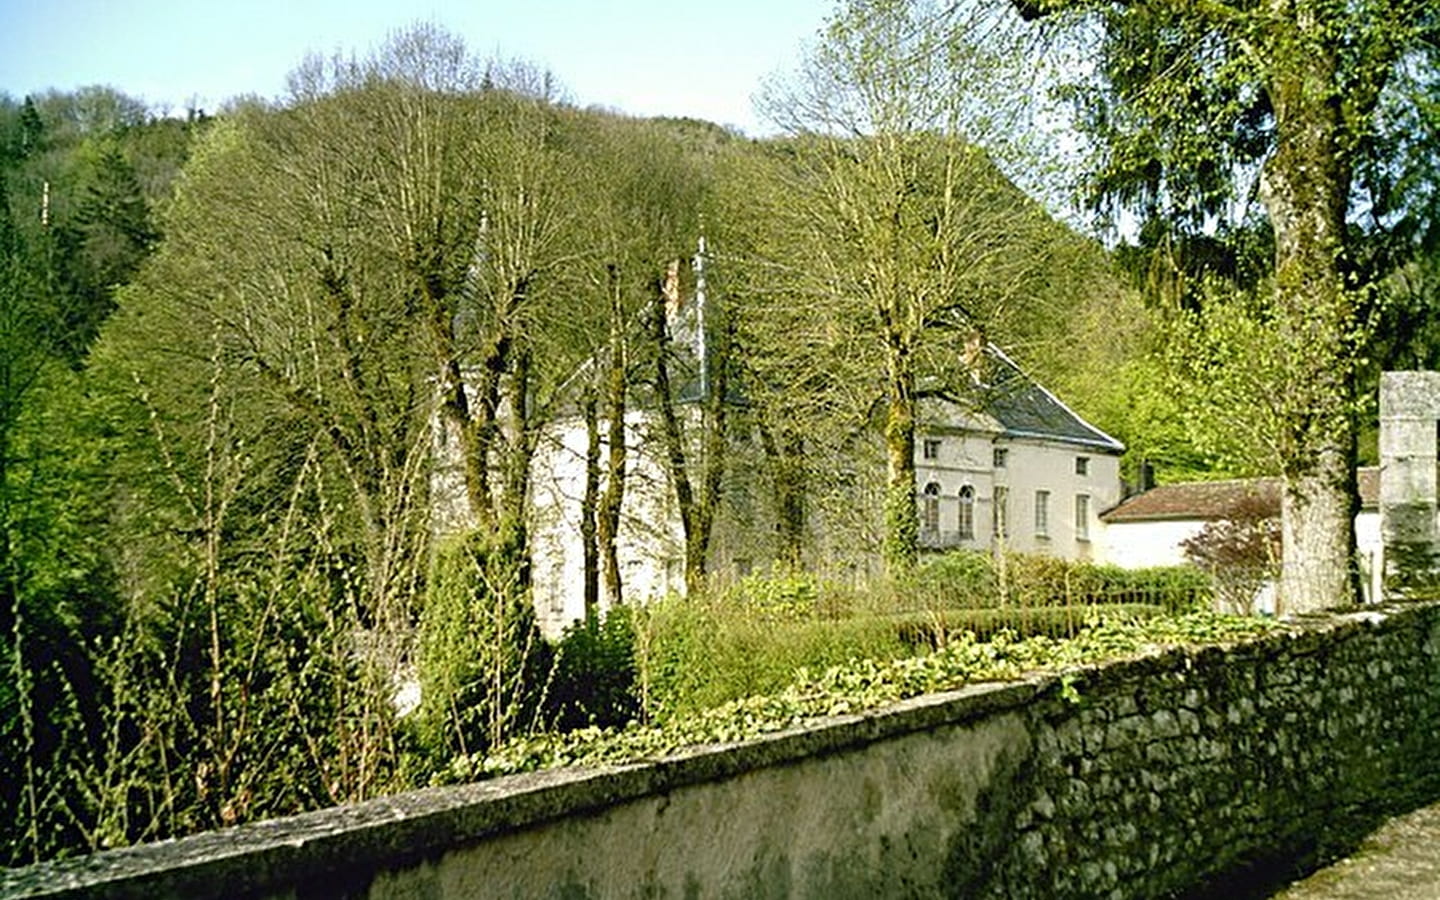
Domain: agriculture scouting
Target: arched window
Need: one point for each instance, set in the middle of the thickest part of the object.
(930, 508)
(967, 513)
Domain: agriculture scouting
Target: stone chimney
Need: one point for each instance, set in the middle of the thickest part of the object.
(670, 288)
(972, 357)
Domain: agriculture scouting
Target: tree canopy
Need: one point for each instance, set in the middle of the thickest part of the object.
(1198, 110)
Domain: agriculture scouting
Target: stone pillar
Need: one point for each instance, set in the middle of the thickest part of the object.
(1409, 411)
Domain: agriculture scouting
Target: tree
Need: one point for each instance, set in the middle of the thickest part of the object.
(899, 237)
(101, 246)
(1192, 98)
(646, 183)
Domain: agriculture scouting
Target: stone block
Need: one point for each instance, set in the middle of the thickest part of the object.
(1408, 438)
(1409, 393)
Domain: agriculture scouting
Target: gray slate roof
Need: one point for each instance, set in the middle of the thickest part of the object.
(1023, 408)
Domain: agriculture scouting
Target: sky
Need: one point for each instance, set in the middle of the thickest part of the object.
(643, 57)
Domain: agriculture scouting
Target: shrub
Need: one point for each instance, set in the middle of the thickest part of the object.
(482, 663)
(1240, 553)
(595, 679)
(868, 684)
(963, 578)
(934, 629)
(973, 580)
(695, 654)
(781, 594)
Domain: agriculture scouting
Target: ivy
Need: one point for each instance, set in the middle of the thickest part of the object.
(860, 686)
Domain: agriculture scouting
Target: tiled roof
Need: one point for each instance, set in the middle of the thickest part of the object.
(1209, 500)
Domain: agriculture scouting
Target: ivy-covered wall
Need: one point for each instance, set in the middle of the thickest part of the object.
(1179, 772)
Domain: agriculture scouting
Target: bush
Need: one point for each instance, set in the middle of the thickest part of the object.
(595, 679)
(679, 656)
(790, 594)
(973, 580)
(960, 579)
(933, 630)
(483, 665)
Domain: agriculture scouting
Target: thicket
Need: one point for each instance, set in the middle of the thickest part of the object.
(682, 655)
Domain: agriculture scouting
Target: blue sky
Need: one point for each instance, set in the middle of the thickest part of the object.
(645, 57)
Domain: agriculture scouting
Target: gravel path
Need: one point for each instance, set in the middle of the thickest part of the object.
(1399, 861)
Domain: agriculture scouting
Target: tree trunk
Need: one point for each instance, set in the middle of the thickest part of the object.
(1305, 189)
(589, 509)
(519, 449)
(674, 438)
(787, 468)
(697, 510)
(611, 502)
(716, 433)
(901, 546)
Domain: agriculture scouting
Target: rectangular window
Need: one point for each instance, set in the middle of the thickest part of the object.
(1042, 513)
(930, 448)
(1001, 514)
(1001, 457)
(1082, 465)
(1082, 517)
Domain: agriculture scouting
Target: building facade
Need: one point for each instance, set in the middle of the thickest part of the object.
(1001, 464)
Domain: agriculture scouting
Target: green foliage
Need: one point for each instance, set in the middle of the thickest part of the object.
(482, 663)
(862, 685)
(101, 245)
(972, 580)
(236, 685)
(1222, 363)
(900, 546)
(595, 680)
(784, 593)
(932, 629)
(962, 579)
(1291, 103)
(695, 654)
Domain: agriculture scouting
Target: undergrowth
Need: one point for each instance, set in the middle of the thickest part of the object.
(859, 685)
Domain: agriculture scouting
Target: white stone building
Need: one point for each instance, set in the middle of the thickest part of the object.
(1006, 464)
(1010, 464)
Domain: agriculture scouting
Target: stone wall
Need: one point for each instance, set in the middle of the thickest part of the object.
(1172, 774)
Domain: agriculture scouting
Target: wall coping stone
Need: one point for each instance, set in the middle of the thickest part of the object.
(260, 856)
